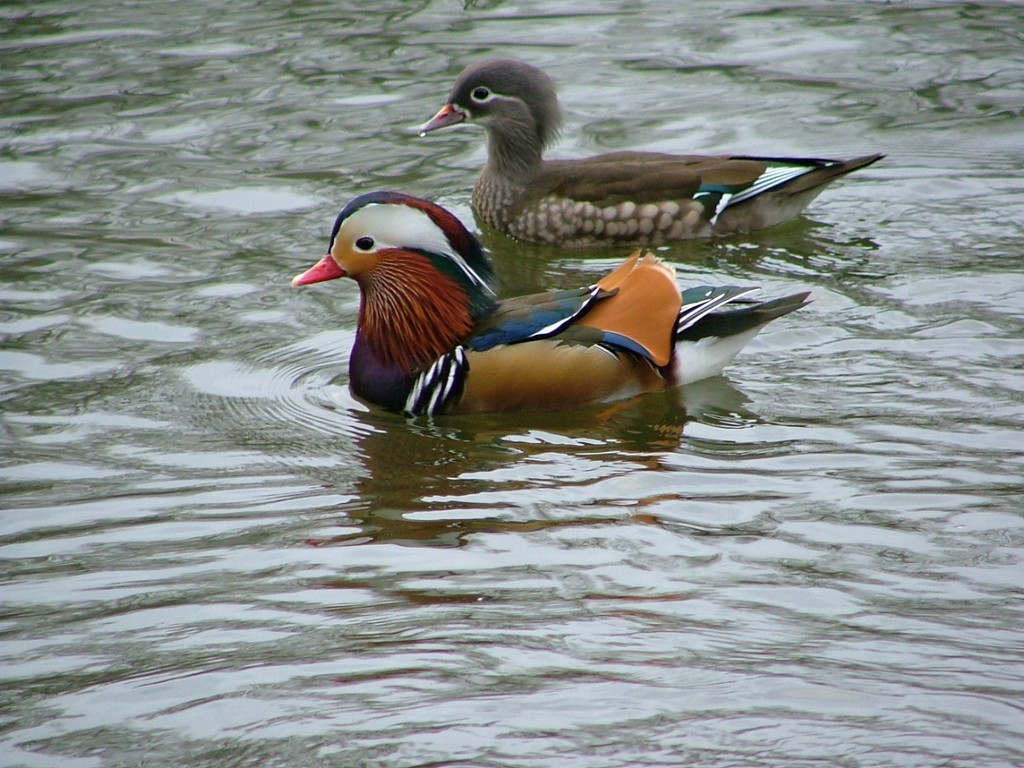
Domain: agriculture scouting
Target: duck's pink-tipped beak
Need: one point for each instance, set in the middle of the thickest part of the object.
(446, 115)
(325, 269)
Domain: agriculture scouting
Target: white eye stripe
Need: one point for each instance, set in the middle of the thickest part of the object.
(397, 226)
(401, 226)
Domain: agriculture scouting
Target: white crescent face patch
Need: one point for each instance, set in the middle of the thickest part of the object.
(394, 225)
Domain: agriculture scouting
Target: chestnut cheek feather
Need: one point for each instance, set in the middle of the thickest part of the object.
(325, 269)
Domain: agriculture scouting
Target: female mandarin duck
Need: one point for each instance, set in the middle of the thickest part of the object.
(616, 198)
(432, 338)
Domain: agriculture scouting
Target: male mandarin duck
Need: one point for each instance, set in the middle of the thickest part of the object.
(432, 338)
(616, 198)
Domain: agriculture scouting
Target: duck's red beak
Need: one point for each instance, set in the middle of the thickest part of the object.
(325, 269)
(446, 115)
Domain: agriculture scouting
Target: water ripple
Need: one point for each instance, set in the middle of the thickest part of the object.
(213, 555)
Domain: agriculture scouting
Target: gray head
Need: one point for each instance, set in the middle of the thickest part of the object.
(517, 106)
(513, 101)
(498, 91)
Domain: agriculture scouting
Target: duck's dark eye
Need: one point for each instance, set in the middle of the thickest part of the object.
(481, 94)
(364, 243)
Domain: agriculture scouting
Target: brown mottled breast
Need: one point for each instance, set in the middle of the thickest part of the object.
(634, 197)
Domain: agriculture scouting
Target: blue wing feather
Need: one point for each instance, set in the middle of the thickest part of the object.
(532, 317)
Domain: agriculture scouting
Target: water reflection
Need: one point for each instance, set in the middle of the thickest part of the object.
(825, 552)
(436, 482)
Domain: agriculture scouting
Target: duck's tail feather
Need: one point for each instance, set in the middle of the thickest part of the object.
(741, 315)
(706, 344)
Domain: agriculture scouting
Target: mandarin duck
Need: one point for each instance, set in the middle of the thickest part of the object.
(433, 338)
(620, 197)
